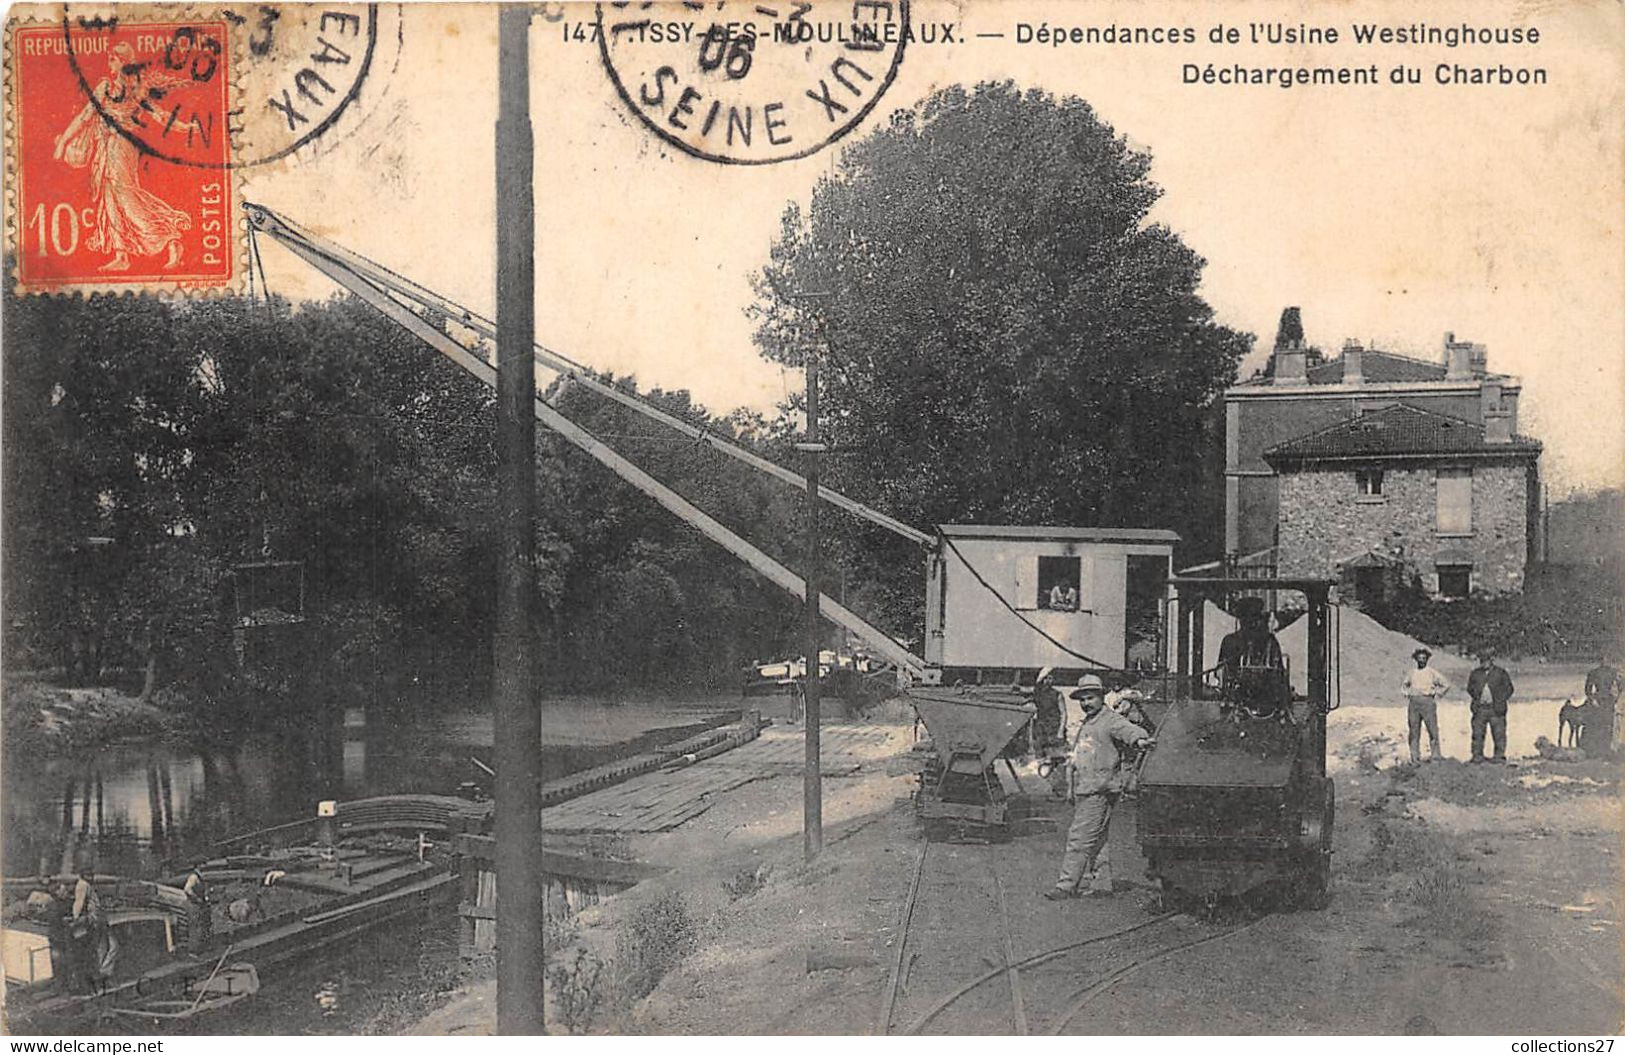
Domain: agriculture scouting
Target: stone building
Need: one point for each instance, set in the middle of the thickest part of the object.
(1377, 469)
(1402, 493)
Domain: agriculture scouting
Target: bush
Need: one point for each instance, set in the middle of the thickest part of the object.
(747, 881)
(578, 992)
(1563, 613)
(657, 938)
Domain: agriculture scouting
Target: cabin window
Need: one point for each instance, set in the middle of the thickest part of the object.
(1455, 580)
(1060, 583)
(1455, 499)
(1368, 483)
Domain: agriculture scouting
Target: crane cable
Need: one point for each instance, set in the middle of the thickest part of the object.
(1034, 627)
(256, 258)
(405, 293)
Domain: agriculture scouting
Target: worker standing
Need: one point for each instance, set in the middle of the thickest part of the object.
(1603, 686)
(1423, 688)
(87, 932)
(199, 918)
(1049, 732)
(1047, 724)
(1489, 687)
(1098, 744)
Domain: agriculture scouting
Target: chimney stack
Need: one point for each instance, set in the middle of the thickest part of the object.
(1496, 412)
(1460, 358)
(1290, 358)
(1353, 362)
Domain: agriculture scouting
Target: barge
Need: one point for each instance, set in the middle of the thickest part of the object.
(283, 893)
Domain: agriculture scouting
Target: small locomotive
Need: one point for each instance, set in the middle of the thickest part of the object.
(1234, 797)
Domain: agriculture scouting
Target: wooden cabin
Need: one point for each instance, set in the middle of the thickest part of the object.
(1002, 602)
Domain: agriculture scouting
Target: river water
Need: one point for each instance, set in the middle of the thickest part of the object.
(146, 809)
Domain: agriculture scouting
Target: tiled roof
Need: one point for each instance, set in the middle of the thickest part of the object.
(1396, 431)
(1378, 368)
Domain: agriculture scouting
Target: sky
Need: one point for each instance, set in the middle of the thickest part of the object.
(1388, 214)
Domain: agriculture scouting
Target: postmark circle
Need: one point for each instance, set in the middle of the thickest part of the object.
(295, 70)
(752, 83)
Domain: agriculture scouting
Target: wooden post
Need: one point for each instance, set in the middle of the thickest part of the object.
(517, 724)
(812, 808)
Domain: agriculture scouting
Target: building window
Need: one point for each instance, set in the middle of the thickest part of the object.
(1368, 483)
(1455, 580)
(1059, 580)
(1455, 498)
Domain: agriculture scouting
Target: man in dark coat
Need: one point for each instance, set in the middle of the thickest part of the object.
(1603, 686)
(1489, 687)
(199, 916)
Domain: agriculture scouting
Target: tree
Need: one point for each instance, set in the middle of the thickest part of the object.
(99, 402)
(149, 447)
(1007, 337)
(642, 597)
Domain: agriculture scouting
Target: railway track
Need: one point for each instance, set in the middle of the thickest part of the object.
(1041, 990)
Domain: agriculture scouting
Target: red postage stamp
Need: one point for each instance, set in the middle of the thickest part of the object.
(120, 156)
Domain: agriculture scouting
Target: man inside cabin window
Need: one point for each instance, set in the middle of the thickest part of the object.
(1063, 597)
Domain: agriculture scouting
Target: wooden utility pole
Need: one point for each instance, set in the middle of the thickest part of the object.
(517, 724)
(812, 784)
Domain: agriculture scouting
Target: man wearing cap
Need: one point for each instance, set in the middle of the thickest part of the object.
(1489, 687)
(1249, 645)
(1098, 744)
(1047, 698)
(1423, 688)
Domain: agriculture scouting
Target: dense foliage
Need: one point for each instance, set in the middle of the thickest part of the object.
(1006, 336)
(150, 448)
(1563, 613)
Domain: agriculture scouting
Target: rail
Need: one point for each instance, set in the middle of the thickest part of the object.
(1011, 968)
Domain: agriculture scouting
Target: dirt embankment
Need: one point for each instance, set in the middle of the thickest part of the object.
(48, 719)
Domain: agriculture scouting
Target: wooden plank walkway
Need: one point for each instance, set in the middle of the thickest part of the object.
(657, 802)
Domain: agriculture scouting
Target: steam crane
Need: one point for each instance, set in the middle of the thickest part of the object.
(407, 303)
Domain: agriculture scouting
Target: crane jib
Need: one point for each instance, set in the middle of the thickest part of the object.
(400, 286)
(335, 267)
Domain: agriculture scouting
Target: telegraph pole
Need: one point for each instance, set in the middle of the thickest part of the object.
(812, 798)
(518, 721)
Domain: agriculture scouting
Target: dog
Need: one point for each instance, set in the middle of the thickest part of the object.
(1574, 719)
(1552, 753)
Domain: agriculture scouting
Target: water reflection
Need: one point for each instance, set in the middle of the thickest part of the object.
(141, 809)
(133, 808)
(145, 810)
